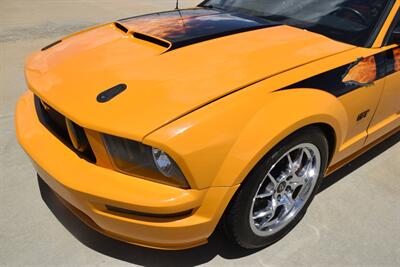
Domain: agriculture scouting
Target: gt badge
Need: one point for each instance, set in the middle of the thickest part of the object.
(363, 115)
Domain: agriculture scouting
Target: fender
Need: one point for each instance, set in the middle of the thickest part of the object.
(256, 120)
(274, 122)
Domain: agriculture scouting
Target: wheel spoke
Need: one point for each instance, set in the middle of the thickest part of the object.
(267, 223)
(297, 181)
(271, 219)
(287, 201)
(298, 162)
(265, 194)
(273, 180)
(306, 169)
(309, 169)
(291, 164)
(308, 164)
(263, 214)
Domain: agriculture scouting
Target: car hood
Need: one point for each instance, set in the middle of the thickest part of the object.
(165, 82)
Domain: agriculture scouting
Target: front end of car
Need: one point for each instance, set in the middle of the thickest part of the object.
(122, 188)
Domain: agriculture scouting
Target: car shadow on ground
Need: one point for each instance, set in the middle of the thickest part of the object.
(217, 245)
(358, 162)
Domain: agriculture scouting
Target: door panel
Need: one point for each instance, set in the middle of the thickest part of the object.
(360, 106)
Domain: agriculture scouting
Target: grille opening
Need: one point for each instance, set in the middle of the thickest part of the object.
(121, 27)
(151, 39)
(56, 124)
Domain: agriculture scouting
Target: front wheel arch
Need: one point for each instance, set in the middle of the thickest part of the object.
(326, 129)
(330, 135)
(232, 222)
(264, 131)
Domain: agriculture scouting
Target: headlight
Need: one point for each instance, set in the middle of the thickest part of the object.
(164, 163)
(137, 159)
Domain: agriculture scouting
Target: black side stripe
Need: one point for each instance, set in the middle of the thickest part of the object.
(335, 83)
(382, 65)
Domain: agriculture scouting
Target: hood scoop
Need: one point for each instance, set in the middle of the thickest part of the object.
(184, 27)
(151, 39)
(144, 37)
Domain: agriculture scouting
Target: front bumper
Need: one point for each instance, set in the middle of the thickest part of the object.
(86, 189)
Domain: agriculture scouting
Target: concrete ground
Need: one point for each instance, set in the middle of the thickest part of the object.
(354, 221)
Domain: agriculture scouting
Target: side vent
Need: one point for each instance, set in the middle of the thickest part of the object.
(151, 39)
(121, 27)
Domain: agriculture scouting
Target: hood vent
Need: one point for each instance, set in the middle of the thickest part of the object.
(144, 37)
(121, 27)
(152, 39)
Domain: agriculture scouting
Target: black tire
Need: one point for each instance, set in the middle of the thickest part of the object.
(235, 222)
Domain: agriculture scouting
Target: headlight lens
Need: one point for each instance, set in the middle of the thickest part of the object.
(163, 163)
(137, 159)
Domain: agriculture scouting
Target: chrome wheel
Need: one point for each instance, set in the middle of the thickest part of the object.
(285, 189)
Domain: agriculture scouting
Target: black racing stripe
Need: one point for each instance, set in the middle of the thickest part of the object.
(185, 27)
(333, 81)
(382, 65)
(330, 81)
(389, 62)
(194, 40)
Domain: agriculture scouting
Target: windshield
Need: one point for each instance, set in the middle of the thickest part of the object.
(350, 21)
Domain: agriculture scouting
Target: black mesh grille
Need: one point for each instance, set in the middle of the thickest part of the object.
(55, 123)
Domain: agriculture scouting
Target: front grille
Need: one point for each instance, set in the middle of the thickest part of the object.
(56, 124)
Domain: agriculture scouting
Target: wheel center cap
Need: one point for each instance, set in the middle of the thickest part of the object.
(281, 187)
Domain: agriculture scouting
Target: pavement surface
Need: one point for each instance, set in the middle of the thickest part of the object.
(354, 220)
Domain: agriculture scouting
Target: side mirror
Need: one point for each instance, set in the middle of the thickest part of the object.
(396, 35)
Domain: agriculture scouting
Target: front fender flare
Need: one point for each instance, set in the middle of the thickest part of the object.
(287, 112)
(218, 144)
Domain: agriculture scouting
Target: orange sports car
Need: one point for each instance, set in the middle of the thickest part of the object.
(157, 128)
